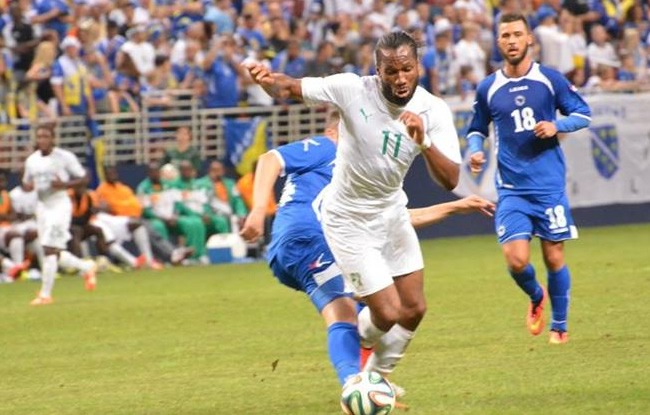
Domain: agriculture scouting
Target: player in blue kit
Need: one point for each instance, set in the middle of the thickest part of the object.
(298, 254)
(522, 100)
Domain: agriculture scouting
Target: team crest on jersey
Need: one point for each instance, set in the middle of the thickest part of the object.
(462, 120)
(520, 100)
(501, 231)
(604, 149)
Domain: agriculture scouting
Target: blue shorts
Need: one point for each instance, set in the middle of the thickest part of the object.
(306, 264)
(522, 217)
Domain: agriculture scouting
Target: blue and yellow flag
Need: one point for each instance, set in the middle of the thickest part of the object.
(246, 140)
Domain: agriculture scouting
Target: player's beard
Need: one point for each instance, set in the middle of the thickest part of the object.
(387, 91)
(517, 59)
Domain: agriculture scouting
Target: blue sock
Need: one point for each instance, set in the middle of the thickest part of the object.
(527, 282)
(559, 285)
(344, 345)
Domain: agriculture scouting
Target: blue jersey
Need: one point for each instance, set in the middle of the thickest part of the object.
(308, 165)
(526, 164)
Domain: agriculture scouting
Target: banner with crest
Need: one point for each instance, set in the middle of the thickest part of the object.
(607, 163)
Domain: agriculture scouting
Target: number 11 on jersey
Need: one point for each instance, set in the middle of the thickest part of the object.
(398, 140)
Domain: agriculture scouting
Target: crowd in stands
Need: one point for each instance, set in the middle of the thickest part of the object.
(62, 57)
(169, 217)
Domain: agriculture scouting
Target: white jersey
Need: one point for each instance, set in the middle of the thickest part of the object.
(23, 202)
(42, 170)
(375, 151)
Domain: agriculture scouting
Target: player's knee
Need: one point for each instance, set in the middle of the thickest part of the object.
(386, 316)
(414, 313)
(554, 261)
(517, 263)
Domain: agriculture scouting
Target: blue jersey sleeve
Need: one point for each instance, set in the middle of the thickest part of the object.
(305, 155)
(479, 126)
(569, 102)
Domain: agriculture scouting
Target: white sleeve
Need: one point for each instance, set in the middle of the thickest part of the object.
(442, 131)
(28, 177)
(336, 89)
(72, 165)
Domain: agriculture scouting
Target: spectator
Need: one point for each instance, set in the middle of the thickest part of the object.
(70, 81)
(222, 72)
(182, 151)
(20, 39)
(164, 210)
(121, 212)
(600, 50)
(249, 29)
(632, 47)
(365, 61)
(52, 14)
(290, 61)
(111, 45)
(196, 33)
(468, 51)
(467, 82)
(222, 16)
(445, 83)
(255, 94)
(604, 80)
(197, 194)
(139, 50)
(186, 72)
(321, 65)
(127, 87)
(226, 200)
(555, 49)
(100, 80)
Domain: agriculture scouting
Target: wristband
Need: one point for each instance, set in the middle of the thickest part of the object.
(427, 142)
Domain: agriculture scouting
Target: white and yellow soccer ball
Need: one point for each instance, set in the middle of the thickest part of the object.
(367, 393)
(168, 172)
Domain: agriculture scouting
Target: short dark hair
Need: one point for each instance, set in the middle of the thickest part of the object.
(393, 41)
(514, 17)
(47, 127)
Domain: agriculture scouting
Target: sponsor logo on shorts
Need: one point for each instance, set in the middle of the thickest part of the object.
(501, 231)
(319, 262)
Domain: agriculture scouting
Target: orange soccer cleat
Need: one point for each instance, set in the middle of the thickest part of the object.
(535, 320)
(558, 337)
(91, 279)
(41, 300)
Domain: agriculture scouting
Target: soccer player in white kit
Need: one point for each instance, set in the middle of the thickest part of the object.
(51, 171)
(387, 121)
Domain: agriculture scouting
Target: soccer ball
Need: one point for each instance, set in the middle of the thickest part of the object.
(168, 172)
(367, 393)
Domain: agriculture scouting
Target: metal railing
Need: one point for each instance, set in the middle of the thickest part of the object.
(141, 137)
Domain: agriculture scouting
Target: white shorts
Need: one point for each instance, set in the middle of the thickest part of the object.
(25, 226)
(53, 223)
(115, 228)
(372, 249)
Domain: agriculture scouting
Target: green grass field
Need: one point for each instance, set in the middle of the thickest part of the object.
(203, 340)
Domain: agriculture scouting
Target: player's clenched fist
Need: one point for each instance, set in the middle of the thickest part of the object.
(254, 226)
(414, 126)
(545, 129)
(476, 162)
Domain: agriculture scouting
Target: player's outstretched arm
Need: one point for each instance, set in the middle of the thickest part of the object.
(433, 214)
(267, 172)
(275, 84)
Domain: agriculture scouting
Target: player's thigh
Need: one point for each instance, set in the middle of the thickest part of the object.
(402, 250)
(553, 220)
(512, 219)
(109, 236)
(357, 245)
(307, 264)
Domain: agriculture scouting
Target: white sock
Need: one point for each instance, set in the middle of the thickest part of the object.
(122, 254)
(142, 241)
(368, 332)
(67, 260)
(48, 268)
(36, 247)
(17, 250)
(7, 264)
(389, 350)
